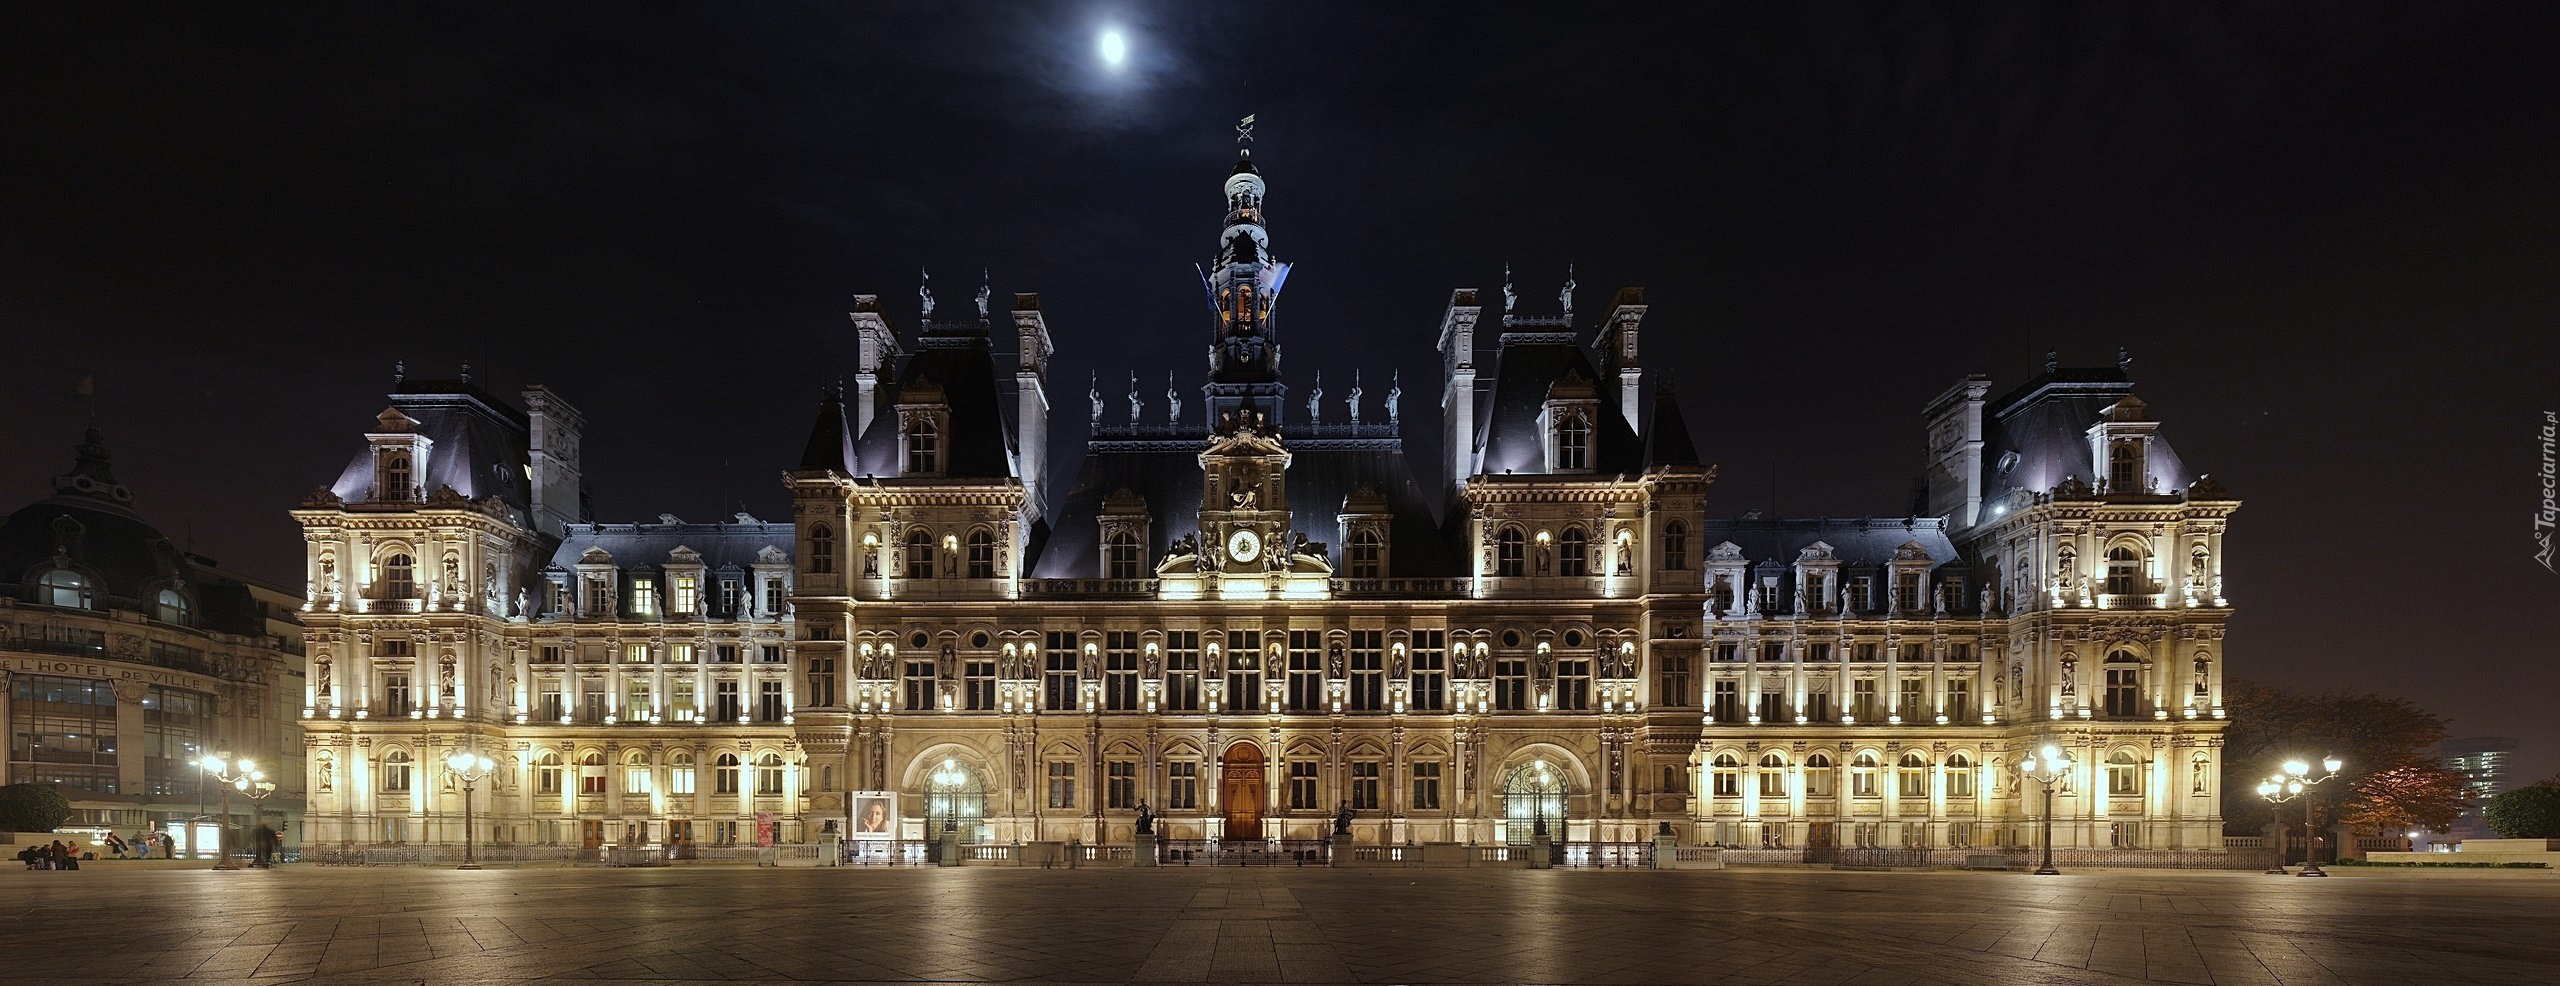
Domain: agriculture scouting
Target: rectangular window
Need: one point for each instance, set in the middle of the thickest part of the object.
(1959, 699)
(1915, 700)
(1511, 683)
(725, 706)
(1773, 707)
(1866, 652)
(1062, 783)
(1182, 785)
(679, 653)
(396, 700)
(635, 653)
(1368, 671)
(1817, 707)
(688, 594)
(636, 700)
(1302, 785)
(769, 654)
(980, 685)
(1121, 784)
(773, 596)
(2124, 690)
(1862, 700)
(599, 596)
(1772, 652)
(917, 679)
(592, 708)
(1364, 785)
(1671, 681)
(547, 654)
(1426, 785)
(1244, 671)
(1817, 654)
(1728, 652)
(1573, 685)
(822, 682)
(729, 595)
(1058, 680)
(1120, 672)
(682, 701)
(555, 707)
(769, 701)
(1306, 671)
(644, 596)
(1182, 671)
(680, 776)
(1430, 670)
(725, 653)
(1727, 706)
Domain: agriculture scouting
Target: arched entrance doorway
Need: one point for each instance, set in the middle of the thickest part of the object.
(955, 797)
(1240, 791)
(1533, 799)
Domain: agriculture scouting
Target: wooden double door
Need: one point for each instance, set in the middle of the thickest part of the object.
(1241, 792)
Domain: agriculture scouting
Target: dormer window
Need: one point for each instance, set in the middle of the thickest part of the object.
(2124, 466)
(1121, 557)
(397, 483)
(1573, 444)
(924, 445)
(172, 607)
(1569, 421)
(65, 588)
(1367, 555)
(644, 595)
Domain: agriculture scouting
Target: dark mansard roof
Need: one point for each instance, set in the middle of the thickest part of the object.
(89, 526)
(2038, 433)
(1863, 545)
(734, 545)
(1164, 471)
(957, 361)
(480, 450)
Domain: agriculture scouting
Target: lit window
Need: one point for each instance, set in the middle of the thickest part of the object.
(395, 772)
(172, 608)
(66, 588)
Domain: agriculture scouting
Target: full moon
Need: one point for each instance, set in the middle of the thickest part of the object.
(1115, 48)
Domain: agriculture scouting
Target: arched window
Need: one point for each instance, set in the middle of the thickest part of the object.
(1510, 552)
(1574, 556)
(822, 549)
(591, 773)
(395, 771)
(724, 774)
(1120, 556)
(1533, 797)
(1727, 782)
(982, 555)
(1675, 546)
(64, 587)
(399, 577)
(1773, 775)
(1959, 776)
(1817, 775)
(2124, 466)
(1862, 775)
(769, 774)
(397, 484)
(546, 773)
(2124, 685)
(680, 774)
(635, 772)
(1367, 555)
(1915, 775)
(2124, 774)
(2124, 571)
(919, 553)
(172, 608)
(924, 444)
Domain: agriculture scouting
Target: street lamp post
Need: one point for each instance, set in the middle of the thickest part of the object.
(2295, 782)
(257, 793)
(228, 772)
(946, 781)
(468, 767)
(2055, 764)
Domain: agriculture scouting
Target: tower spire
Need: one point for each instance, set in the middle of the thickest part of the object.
(1243, 282)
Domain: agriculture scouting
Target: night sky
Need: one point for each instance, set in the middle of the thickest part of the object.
(2328, 233)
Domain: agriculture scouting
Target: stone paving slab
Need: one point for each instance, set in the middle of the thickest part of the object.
(1170, 925)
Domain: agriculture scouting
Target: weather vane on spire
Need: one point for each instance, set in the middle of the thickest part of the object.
(1244, 130)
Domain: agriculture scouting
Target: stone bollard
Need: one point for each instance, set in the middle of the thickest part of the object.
(1143, 851)
(1339, 854)
(1666, 850)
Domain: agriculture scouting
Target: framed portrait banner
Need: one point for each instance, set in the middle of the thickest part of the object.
(874, 814)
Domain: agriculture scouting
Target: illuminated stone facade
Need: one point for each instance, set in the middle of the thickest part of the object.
(1247, 618)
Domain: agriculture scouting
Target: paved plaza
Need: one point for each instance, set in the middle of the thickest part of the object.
(704, 924)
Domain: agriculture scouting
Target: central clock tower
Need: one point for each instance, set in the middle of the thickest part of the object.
(1244, 495)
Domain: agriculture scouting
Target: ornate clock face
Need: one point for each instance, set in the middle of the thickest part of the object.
(1244, 546)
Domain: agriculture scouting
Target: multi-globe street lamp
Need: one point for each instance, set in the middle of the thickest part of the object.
(2295, 782)
(229, 773)
(2050, 764)
(468, 767)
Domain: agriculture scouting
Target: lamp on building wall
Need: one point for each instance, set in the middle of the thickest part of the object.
(228, 772)
(2294, 782)
(2050, 764)
(468, 767)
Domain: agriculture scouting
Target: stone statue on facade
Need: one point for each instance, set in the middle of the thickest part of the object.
(1172, 400)
(1342, 819)
(1315, 399)
(1137, 407)
(1146, 819)
(1510, 298)
(924, 294)
(1395, 392)
(1354, 400)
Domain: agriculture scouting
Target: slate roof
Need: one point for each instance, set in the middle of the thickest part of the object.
(830, 447)
(958, 360)
(90, 523)
(646, 547)
(2046, 422)
(481, 446)
(1864, 546)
